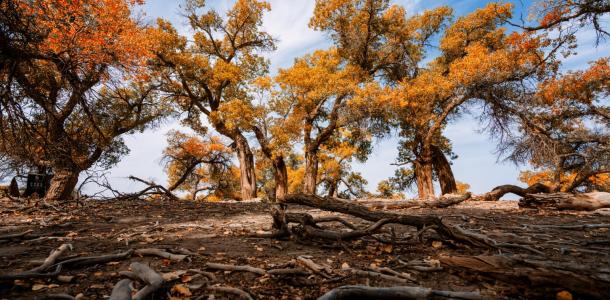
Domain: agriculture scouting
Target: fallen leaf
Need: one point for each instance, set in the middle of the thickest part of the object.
(181, 289)
(564, 295)
(38, 287)
(437, 244)
(65, 278)
(345, 266)
(387, 248)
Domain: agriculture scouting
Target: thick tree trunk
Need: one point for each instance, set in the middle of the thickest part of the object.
(62, 184)
(311, 172)
(443, 171)
(246, 168)
(423, 176)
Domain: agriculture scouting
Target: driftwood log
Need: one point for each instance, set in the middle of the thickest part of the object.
(567, 201)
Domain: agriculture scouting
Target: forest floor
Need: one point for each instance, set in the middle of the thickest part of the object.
(220, 233)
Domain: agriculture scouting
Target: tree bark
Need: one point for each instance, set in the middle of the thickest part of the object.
(423, 176)
(246, 168)
(588, 201)
(62, 184)
(311, 172)
(442, 167)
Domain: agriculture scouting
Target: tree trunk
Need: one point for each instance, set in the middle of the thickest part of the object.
(280, 175)
(423, 176)
(62, 184)
(311, 172)
(443, 171)
(246, 168)
(332, 189)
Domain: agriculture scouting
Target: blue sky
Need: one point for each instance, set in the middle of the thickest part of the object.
(477, 164)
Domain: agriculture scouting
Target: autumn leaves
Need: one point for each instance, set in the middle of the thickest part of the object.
(77, 75)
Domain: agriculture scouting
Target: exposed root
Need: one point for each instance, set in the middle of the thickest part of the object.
(230, 290)
(121, 290)
(397, 292)
(160, 253)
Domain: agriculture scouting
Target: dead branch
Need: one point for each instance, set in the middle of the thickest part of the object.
(94, 260)
(245, 268)
(378, 275)
(160, 253)
(152, 279)
(397, 292)
(441, 202)
(52, 258)
(209, 275)
(561, 201)
(318, 269)
(288, 271)
(230, 290)
(121, 290)
(348, 235)
(335, 219)
(582, 280)
(498, 192)
(14, 236)
(360, 211)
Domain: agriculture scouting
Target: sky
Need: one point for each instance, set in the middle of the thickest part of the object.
(477, 163)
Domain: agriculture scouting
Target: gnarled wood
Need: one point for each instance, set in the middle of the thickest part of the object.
(498, 192)
(567, 201)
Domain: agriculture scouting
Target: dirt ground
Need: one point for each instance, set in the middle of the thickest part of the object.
(220, 233)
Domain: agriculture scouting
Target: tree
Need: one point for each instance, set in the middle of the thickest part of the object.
(200, 164)
(317, 89)
(208, 75)
(563, 128)
(73, 81)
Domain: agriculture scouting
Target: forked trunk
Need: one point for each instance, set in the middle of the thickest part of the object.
(246, 168)
(332, 189)
(443, 171)
(423, 176)
(311, 172)
(62, 184)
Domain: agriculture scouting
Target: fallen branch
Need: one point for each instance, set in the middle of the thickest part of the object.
(441, 202)
(561, 201)
(152, 279)
(230, 290)
(15, 236)
(378, 275)
(582, 280)
(397, 292)
(160, 253)
(224, 267)
(52, 258)
(94, 260)
(498, 192)
(360, 211)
